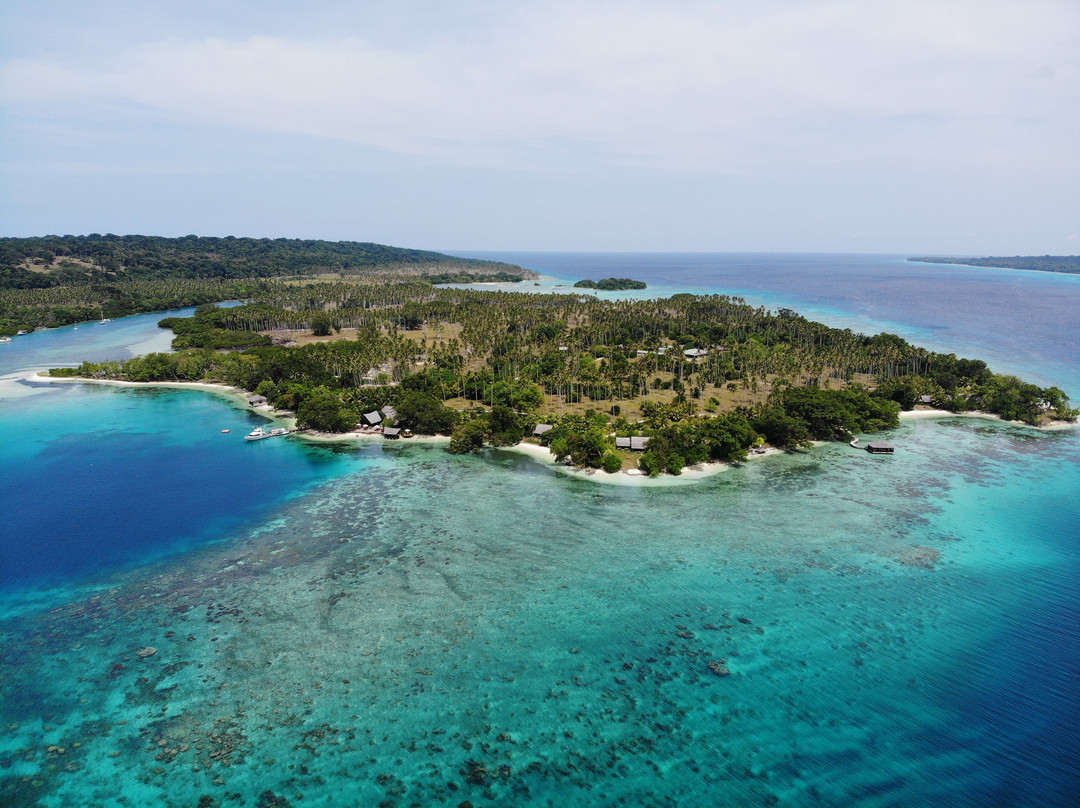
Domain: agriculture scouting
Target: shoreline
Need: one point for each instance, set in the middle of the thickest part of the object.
(535, 452)
(916, 415)
(631, 477)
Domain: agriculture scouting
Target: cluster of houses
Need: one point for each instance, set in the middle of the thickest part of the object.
(372, 423)
(637, 443)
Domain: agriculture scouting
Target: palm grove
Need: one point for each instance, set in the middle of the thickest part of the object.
(704, 377)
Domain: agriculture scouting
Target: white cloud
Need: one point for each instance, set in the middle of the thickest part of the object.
(715, 87)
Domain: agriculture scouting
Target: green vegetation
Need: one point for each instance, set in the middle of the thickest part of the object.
(51, 307)
(34, 263)
(703, 377)
(610, 284)
(204, 331)
(1041, 263)
(59, 280)
(474, 277)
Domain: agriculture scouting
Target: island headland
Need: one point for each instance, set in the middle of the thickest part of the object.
(648, 386)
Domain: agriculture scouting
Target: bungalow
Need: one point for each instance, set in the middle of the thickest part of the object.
(634, 444)
(880, 447)
(372, 418)
(695, 353)
(926, 399)
(389, 412)
(391, 432)
(541, 429)
(256, 401)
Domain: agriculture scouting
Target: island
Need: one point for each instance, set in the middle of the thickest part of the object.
(1041, 263)
(650, 386)
(610, 284)
(50, 281)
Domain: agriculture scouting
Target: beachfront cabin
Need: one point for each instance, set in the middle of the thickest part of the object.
(372, 418)
(880, 447)
(256, 401)
(388, 411)
(634, 444)
(391, 432)
(541, 429)
(926, 399)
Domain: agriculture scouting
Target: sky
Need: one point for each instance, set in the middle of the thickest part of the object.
(920, 127)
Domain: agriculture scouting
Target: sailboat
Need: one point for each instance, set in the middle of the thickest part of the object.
(104, 319)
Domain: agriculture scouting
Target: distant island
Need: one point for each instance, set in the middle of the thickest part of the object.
(51, 281)
(48, 261)
(1042, 263)
(610, 284)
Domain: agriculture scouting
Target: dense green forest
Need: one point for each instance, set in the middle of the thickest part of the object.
(704, 377)
(58, 280)
(610, 284)
(46, 261)
(1042, 263)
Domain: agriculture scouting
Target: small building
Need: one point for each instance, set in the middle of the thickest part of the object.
(926, 399)
(635, 444)
(695, 353)
(372, 418)
(256, 401)
(880, 447)
(391, 432)
(540, 429)
(388, 411)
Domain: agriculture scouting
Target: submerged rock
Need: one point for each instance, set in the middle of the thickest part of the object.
(719, 667)
(919, 556)
(476, 772)
(148, 651)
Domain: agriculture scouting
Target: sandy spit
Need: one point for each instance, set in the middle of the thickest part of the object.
(632, 477)
(916, 415)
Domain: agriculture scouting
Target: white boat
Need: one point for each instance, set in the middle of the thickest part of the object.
(5, 339)
(258, 433)
(104, 320)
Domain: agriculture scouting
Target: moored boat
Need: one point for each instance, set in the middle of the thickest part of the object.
(258, 433)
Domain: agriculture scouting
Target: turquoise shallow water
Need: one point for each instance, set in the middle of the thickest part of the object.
(398, 626)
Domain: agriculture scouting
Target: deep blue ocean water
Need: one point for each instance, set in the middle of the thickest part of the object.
(368, 625)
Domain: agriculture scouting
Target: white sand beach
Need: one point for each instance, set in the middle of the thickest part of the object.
(914, 415)
(631, 477)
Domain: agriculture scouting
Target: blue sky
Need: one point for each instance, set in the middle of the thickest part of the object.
(942, 126)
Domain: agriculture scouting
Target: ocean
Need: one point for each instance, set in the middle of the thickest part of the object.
(187, 619)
